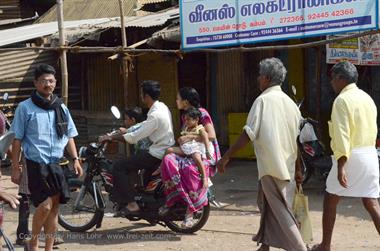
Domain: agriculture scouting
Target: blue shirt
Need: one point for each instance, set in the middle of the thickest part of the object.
(35, 128)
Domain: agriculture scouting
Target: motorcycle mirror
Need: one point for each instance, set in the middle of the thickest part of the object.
(6, 96)
(294, 90)
(115, 112)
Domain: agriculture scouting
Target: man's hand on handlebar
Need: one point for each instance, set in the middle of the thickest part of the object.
(122, 130)
(114, 135)
(104, 138)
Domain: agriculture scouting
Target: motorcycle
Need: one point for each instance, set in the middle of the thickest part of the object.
(313, 154)
(5, 142)
(87, 207)
(314, 159)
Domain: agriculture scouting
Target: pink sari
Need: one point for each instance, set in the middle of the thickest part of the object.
(182, 179)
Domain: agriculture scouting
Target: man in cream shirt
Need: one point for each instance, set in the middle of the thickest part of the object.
(158, 127)
(353, 131)
(273, 126)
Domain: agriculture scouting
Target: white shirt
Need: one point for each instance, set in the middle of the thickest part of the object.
(273, 126)
(158, 127)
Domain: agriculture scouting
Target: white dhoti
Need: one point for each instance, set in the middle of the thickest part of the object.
(362, 170)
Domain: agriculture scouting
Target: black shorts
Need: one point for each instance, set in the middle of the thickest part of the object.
(46, 180)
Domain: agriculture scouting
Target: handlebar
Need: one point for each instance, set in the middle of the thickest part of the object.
(97, 148)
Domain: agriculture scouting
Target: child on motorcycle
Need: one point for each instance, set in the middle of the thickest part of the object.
(197, 150)
(132, 121)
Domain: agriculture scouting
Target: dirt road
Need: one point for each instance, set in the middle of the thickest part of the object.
(228, 228)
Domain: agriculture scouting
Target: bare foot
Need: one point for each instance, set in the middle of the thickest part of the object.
(133, 207)
(157, 172)
(263, 247)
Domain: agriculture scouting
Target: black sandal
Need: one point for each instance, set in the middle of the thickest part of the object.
(126, 212)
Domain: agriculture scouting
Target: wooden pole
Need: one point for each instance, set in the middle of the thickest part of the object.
(124, 58)
(122, 20)
(124, 61)
(64, 73)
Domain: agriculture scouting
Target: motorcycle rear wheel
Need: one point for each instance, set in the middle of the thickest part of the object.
(83, 218)
(200, 219)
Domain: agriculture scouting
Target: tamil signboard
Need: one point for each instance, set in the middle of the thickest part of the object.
(360, 51)
(211, 23)
(342, 50)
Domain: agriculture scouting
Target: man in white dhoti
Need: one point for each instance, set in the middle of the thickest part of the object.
(353, 132)
(273, 126)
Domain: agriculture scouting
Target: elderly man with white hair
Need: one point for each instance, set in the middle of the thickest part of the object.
(273, 126)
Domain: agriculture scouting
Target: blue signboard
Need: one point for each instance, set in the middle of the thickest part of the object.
(212, 23)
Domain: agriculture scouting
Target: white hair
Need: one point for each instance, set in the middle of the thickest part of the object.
(274, 69)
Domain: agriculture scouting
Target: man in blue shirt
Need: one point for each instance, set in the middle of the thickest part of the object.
(44, 128)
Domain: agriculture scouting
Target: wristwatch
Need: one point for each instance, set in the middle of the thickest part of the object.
(76, 158)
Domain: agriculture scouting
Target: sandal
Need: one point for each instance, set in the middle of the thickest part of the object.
(187, 222)
(126, 212)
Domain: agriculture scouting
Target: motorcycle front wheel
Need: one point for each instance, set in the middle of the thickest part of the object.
(82, 217)
(199, 220)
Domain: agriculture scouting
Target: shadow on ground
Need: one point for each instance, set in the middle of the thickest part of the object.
(237, 188)
(131, 233)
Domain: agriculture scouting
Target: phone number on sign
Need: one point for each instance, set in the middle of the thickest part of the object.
(314, 16)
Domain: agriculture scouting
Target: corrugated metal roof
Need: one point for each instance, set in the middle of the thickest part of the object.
(24, 33)
(10, 2)
(156, 19)
(89, 9)
(21, 64)
(151, 1)
(10, 9)
(13, 9)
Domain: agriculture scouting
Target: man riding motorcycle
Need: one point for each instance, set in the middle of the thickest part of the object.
(158, 127)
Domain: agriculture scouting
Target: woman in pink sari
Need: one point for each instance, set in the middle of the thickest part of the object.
(180, 175)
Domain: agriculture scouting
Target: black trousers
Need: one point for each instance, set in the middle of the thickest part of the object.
(23, 217)
(125, 173)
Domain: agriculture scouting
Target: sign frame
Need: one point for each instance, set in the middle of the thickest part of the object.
(374, 24)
